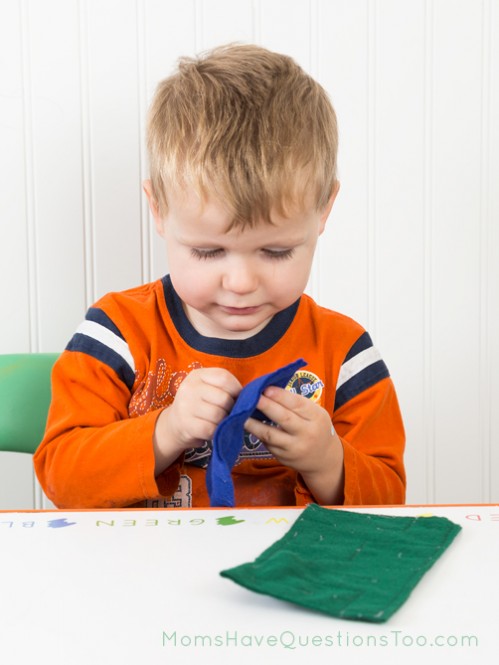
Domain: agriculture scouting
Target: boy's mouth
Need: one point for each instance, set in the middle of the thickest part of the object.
(240, 311)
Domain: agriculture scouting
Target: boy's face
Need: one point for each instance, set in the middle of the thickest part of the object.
(232, 282)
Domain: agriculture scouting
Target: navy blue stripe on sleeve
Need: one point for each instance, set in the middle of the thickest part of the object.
(98, 316)
(362, 368)
(360, 381)
(104, 354)
(364, 342)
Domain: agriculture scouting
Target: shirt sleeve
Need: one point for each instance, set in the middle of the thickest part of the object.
(368, 421)
(93, 455)
(372, 433)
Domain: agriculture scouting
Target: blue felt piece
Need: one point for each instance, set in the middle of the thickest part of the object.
(229, 435)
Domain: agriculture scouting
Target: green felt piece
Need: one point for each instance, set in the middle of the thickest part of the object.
(346, 564)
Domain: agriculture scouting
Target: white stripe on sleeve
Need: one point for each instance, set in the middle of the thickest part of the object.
(108, 338)
(357, 364)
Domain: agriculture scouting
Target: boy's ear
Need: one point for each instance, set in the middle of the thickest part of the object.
(329, 206)
(153, 205)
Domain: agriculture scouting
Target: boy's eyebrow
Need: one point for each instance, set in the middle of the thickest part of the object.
(203, 245)
(274, 243)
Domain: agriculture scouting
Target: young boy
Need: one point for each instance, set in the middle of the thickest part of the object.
(242, 147)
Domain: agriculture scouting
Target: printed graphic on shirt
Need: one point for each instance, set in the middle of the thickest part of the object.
(251, 448)
(307, 384)
(199, 456)
(158, 388)
(181, 499)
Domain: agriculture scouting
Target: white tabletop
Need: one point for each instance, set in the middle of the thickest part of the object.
(143, 587)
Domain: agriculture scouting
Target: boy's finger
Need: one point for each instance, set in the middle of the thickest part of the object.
(221, 378)
(291, 401)
(277, 413)
(270, 435)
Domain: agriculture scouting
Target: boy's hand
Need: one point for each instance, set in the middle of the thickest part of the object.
(203, 399)
(302, 440)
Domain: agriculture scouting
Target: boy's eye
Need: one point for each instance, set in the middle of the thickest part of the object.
(278, 253)
(206, 253)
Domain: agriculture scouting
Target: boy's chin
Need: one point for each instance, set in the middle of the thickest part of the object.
(240, 331)
(238, 327)
(229, 323)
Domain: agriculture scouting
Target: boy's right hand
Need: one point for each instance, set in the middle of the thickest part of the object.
(202, 401)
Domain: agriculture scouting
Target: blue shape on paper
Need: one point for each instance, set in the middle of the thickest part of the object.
(60, 523)
(229, 435)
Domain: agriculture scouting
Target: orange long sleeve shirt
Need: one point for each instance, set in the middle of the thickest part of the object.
(124, 365)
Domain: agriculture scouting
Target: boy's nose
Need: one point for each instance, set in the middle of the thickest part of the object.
(240, 279)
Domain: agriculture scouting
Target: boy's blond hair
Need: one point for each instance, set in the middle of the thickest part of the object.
(247, 126)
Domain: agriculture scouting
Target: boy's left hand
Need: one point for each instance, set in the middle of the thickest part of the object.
(302, 440)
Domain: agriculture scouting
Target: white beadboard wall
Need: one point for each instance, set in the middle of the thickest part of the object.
(412, 247)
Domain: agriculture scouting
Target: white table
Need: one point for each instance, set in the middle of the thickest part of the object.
(143, 588)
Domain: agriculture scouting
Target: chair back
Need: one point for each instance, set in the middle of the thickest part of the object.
(25, 395)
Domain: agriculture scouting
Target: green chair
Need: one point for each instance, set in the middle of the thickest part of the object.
(24, 399)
